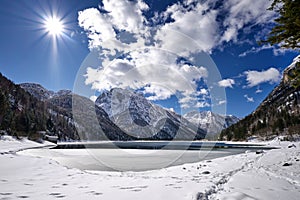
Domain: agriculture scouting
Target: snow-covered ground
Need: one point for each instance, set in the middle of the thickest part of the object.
(243, 176)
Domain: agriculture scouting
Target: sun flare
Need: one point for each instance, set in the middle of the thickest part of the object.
(54, 26)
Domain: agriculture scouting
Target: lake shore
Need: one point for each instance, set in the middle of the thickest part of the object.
(272, 174)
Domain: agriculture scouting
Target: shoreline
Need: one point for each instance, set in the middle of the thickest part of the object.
(170, 145)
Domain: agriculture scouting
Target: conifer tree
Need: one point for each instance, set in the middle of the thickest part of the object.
(286, 32)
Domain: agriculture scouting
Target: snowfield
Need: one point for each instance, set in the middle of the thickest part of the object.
(270, 175)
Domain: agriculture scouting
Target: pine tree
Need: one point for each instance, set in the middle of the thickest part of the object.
(286, 32)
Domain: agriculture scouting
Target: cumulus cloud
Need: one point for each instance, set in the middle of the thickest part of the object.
(203, 91)
(126, 15)
(130, 44)
(97, 26)
(158, 78)
(192, 23)
(226, 83)
(197, 23)
(117, 27)
(255, 78)
(249, 99)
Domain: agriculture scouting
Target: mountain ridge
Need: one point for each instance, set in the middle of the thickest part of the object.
(139, 110)
(144, 119)
(212, 123)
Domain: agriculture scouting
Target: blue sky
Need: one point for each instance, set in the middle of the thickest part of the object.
(150, 46)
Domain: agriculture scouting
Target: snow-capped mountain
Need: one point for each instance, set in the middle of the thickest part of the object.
(211, 122)
(37, 91)
(42, 93)
(278, 114)
(140, 118)
(125, 115)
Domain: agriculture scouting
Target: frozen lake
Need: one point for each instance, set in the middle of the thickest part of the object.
(128, 159)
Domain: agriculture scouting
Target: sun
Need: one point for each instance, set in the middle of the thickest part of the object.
(54, 26)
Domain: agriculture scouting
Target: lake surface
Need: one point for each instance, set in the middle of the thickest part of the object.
(128, 159)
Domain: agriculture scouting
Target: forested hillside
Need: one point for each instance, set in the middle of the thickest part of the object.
(278, 114)
(22, 114)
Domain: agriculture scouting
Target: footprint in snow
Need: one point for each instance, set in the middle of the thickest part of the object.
(5, 193)
(287, 164)
(95, 193)
(23, 197)
(57, 195)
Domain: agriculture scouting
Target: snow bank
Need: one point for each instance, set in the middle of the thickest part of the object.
(244, 176)
(8, 144)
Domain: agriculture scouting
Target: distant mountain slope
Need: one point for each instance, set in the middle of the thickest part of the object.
(279, 113)
(142, 119)
(22, 114)
(211, 122)
(42, 93)
(37, 91)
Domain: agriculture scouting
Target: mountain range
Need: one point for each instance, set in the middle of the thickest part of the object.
(142, 119)
(120, 115)
(210, 122)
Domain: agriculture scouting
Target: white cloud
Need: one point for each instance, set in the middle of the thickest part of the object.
(202, 104)
(126, 15)
(258, 90)
(254, 78)
(121, 28)
(249, 99)
(194, 26)
(193, 30)
(221, 102)
(97, 26)
(242, 14)
(203, 91)
(146, 70)
(158, 92)
(226, 83)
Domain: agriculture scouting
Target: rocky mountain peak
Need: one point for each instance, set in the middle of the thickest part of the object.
(137, 116)
(211, 122)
